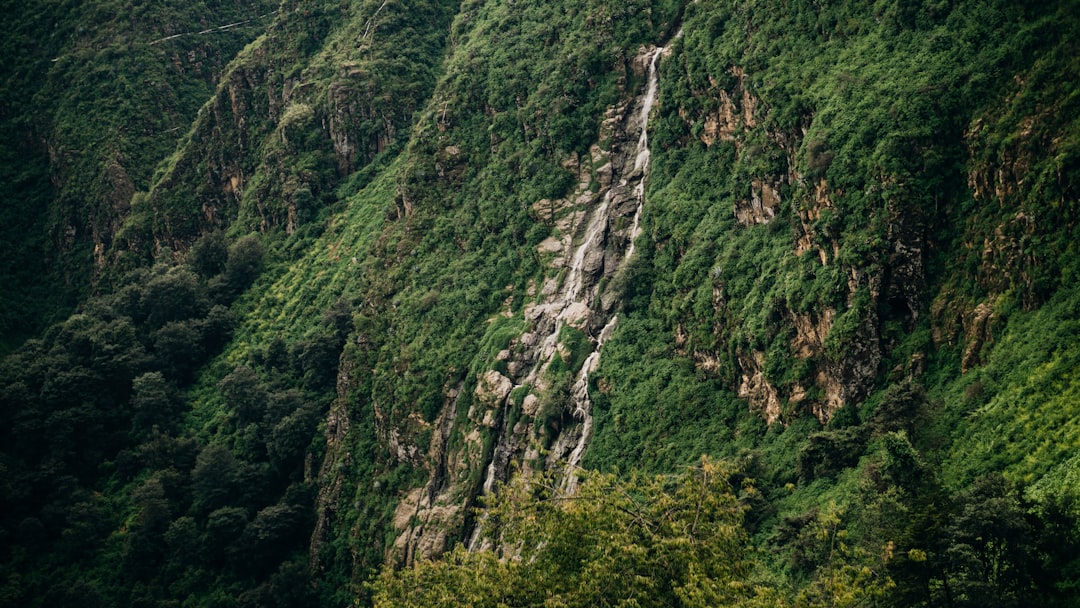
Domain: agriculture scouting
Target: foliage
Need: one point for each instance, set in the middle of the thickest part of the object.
(644, 541)
(359, 191)
(95, 95)
(1018, 424)
(102, 474)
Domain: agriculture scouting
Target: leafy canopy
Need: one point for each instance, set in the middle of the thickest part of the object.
(638, 541)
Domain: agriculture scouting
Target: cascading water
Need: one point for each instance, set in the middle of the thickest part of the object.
(601, 249)
(515, 406)
(580, 400)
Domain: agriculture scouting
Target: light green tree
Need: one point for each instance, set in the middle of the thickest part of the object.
(643, 541)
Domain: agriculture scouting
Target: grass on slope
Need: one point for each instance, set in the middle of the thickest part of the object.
(289, 299)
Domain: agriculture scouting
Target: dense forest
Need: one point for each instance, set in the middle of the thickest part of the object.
(522, 303)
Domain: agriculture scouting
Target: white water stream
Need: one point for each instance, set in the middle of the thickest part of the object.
(575, 301)
(641, 162)
(579, 394)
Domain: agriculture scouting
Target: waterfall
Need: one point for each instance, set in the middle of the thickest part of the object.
(600, 249)
(596, 226)
(641, 162)
(580, 392)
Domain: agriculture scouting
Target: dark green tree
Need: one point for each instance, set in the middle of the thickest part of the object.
(151, 403)
(244, 394)
(216, 480)
(209, 254)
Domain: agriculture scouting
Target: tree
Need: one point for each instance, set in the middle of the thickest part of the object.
(151, 403)
(209, 254)
(271, 534)
(244, 264)
(179, 349)
(244, 394)
(645, 541)
(174, 295)
(184, 542)
(217, 327)
(216, 477)
(317, 359)
(290, 437)
(987, 548)
(145, 539)
(847, 575)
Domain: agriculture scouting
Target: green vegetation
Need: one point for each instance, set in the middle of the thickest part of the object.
(101, 463)
(645, 541)
(258, 257)
(92, 99)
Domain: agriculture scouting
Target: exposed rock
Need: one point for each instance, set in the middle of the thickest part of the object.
(576, 315)
(855, 371)
(729, 121)
(1006, 258)
(916, 365)
(493, 388)
(756, 389)
(426, 532)
(724, 124)
(906, 275)
(809, 343)
(977, 333)
(407, 509)
(530, 405)
(330, 479)
(761, 208)
(810, 333)
(1000, 180)
(809, 213)
(749, 102)
(401, 450)
(439, 505)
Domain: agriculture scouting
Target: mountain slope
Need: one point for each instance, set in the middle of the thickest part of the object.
(409, 252)
(95, 95)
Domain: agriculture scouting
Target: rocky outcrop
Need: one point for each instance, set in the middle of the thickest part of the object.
(810, 212)
(289, 120)
(839, 378)
(977, 333)
(216, 164)
(723, 124)
(762, 206)
(330, 480)
(905, 279)
(430, 517)
(1006, 256)
(756, 389)
(808, 344)
(731, 121)
(849, 377)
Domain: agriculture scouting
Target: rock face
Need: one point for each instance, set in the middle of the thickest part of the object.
(756, 389)
(811, 212)
(731, 122)
(331, 483)
(834, 376)
(976, 334)
(762, 207)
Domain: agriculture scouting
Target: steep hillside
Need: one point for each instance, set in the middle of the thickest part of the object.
(415, 271)
(95, 94)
